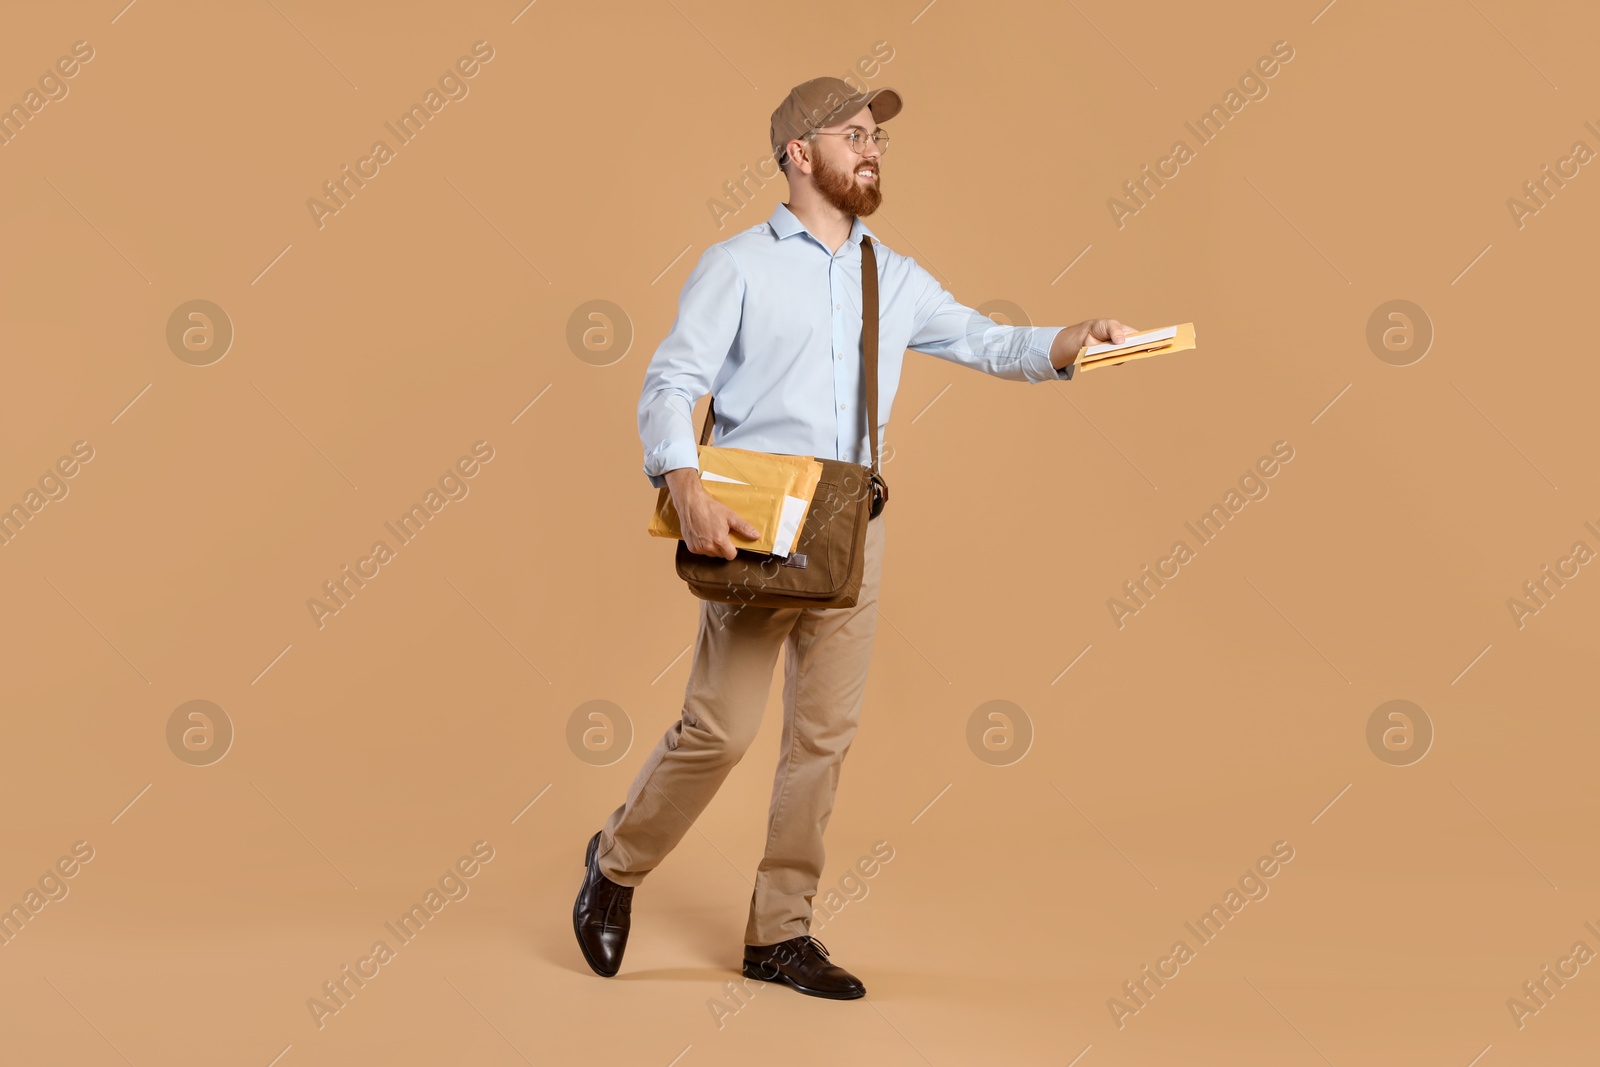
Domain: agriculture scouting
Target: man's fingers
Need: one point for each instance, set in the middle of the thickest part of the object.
(715, 540)
(744, 529)
(716, 547)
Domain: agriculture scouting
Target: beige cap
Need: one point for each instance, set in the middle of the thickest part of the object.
(823, 102)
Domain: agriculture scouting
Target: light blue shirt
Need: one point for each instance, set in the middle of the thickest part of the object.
(769, 323)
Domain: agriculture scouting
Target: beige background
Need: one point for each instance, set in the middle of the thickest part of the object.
(432, 311)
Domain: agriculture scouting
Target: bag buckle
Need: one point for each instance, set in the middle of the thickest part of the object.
(880, 493)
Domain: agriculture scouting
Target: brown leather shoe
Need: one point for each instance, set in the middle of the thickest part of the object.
(801, 963)
(600, 915)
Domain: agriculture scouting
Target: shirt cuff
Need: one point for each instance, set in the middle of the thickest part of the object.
(1036, 366)
(670, 455)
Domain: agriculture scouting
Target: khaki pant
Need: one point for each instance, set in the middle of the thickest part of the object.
(825, 676)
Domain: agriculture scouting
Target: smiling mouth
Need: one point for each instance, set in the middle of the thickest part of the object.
(869, 173)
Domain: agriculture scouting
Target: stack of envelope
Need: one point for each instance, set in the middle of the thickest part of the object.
(769, 490)
(1151, 343)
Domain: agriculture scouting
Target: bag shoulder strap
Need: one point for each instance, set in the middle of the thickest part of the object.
(869, 339)
(869, 349)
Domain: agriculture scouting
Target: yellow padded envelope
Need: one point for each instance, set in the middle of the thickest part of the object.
(757, 468)
(769, 479)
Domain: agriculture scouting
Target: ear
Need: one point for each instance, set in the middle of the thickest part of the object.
(803, 162)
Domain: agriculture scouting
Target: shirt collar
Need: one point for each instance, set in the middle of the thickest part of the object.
(785, 223)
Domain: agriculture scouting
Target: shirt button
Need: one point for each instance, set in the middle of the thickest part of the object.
(836, 307)
(841, 407)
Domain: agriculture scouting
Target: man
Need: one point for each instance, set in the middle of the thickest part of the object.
(769, 322)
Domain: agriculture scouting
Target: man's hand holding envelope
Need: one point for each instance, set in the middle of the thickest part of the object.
(706, 523)
(737, 491)
(1109, 343)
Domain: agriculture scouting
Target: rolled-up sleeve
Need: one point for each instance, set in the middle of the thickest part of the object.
(950, 330)
(684, 364)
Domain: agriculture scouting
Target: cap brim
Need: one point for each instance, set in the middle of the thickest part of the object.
(885, 104)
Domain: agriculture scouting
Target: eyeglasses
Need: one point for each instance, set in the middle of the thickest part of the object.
(856, 138)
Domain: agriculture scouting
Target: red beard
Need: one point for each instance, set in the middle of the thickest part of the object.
(845, 191)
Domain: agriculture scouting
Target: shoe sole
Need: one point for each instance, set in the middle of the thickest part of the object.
(588, 863)
(753, 970)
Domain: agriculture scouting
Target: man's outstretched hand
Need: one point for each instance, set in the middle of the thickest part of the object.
(705, 522)
(1091, 332)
